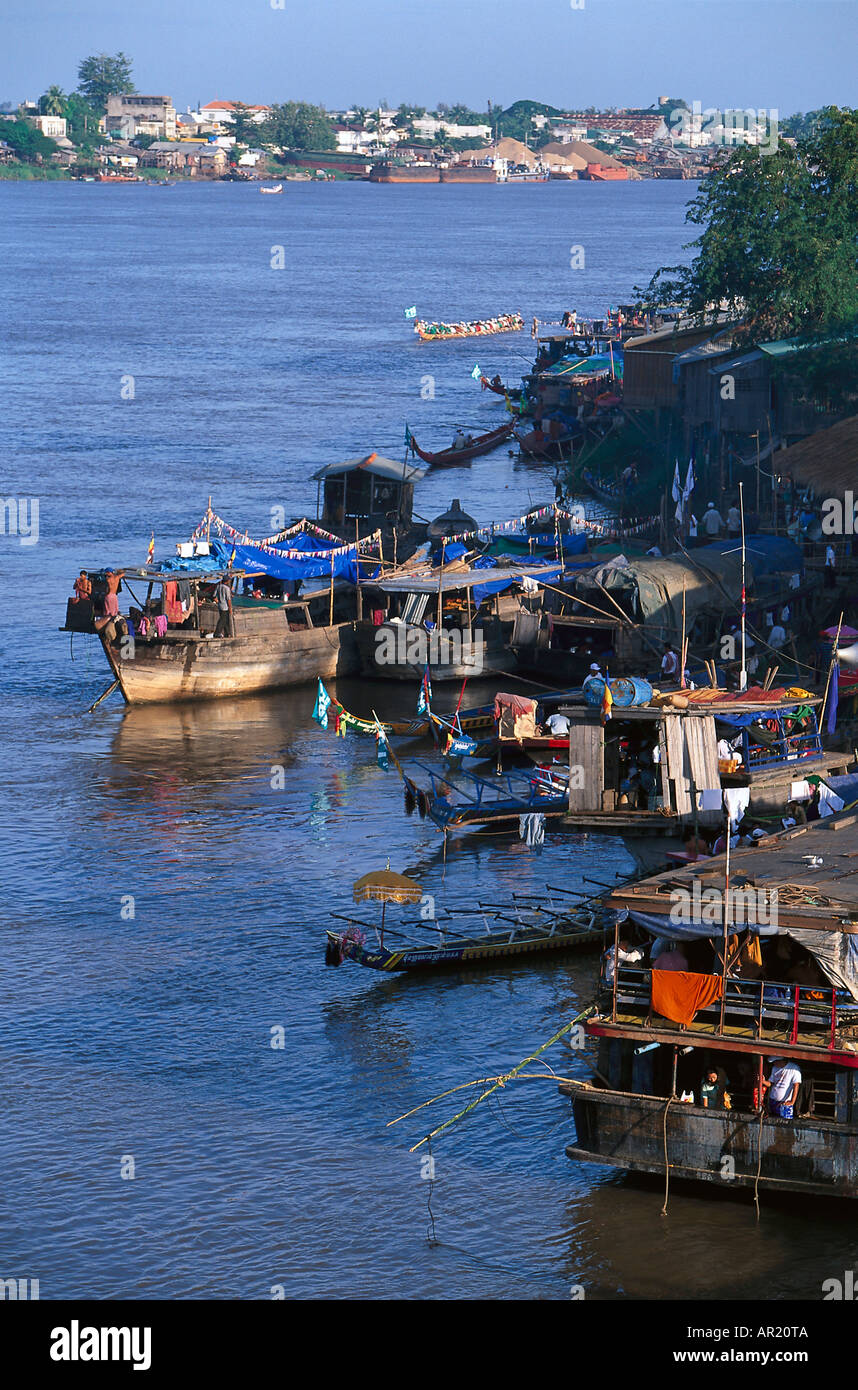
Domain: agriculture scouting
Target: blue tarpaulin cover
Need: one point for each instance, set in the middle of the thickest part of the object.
(767, 554)
(282, 566)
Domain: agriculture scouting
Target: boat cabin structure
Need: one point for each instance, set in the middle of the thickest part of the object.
(456, 618)
(366, 493)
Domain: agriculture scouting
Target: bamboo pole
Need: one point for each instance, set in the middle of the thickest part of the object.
(331, 614)
(440, 579)
(500, 1080)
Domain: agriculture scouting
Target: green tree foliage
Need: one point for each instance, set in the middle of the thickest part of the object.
(779, 242)
(296, 125)
(28, 143)
(82, 121)
(517, 120)
(242, 125)
(103, 75)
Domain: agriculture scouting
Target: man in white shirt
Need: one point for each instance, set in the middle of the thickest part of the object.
(558, 725)
(734, 521)
(777, 637)
(712, 522)
(669, 664)
(782, 1087)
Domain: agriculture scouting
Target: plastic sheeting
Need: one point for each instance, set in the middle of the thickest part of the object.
(767, 554)
(653, 588)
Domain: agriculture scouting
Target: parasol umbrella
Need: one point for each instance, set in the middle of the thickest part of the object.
(385, 886)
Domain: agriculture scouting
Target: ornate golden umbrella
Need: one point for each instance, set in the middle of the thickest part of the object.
(385, 886)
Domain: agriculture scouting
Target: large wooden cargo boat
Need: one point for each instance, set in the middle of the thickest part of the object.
(271, 644)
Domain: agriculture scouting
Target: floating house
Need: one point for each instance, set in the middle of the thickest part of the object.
(292, 617)
(728, 1050)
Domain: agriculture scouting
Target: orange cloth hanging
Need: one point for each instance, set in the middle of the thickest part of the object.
(678, 994)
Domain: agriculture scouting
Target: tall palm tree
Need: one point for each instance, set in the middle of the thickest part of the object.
(54, 102)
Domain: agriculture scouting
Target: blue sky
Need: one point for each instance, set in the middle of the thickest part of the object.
(783, 54)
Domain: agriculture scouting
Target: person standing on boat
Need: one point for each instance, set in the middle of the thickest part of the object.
(223, 594)
(669, 664)
(712, 522)
(782, 1087)
(734, 522)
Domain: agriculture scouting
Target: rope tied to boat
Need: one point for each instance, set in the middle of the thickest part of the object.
(670, 1101)
(497, 1082)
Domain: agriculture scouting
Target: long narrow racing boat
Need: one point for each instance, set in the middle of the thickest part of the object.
(474, 328)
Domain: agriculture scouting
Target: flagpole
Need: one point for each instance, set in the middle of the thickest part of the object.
(743, 675)
(831, 668)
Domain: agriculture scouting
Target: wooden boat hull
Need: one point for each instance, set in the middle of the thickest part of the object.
(469, 662)
(448, 458)
(627, 1130)
(474, 951)
(164, 671)
(551, 449)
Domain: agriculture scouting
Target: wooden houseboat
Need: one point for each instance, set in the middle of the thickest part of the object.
(455, 619)
(367, 493)
(292, 616)
(727, 1052)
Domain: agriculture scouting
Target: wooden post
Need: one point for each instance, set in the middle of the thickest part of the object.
(440, 577)
(682, 643)
(757, 437)
(358, 594)
(331, 615)
(616, 970)
(725, 912)
(831, 666)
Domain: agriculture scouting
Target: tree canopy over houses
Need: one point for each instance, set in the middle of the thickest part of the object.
(778, 248)
(102, 75)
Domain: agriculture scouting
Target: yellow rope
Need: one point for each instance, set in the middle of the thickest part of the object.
(508, 1076)
(666, 1164)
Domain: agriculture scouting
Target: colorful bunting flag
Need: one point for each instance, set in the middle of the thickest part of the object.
(150, 554)
(424, 699)
(607, 700)
(323, 704)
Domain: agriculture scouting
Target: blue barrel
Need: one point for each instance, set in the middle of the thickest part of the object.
(630, 690)
(594, 689)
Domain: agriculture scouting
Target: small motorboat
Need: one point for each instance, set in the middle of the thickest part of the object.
(278, 188)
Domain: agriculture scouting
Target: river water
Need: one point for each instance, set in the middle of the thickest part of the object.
(163, 907)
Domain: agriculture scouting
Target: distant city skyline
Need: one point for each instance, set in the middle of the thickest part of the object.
(786, 55)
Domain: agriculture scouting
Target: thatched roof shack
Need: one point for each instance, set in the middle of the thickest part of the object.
(827, 460)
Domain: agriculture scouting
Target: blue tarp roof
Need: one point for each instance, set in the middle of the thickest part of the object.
(280, 565)
(767, 554)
